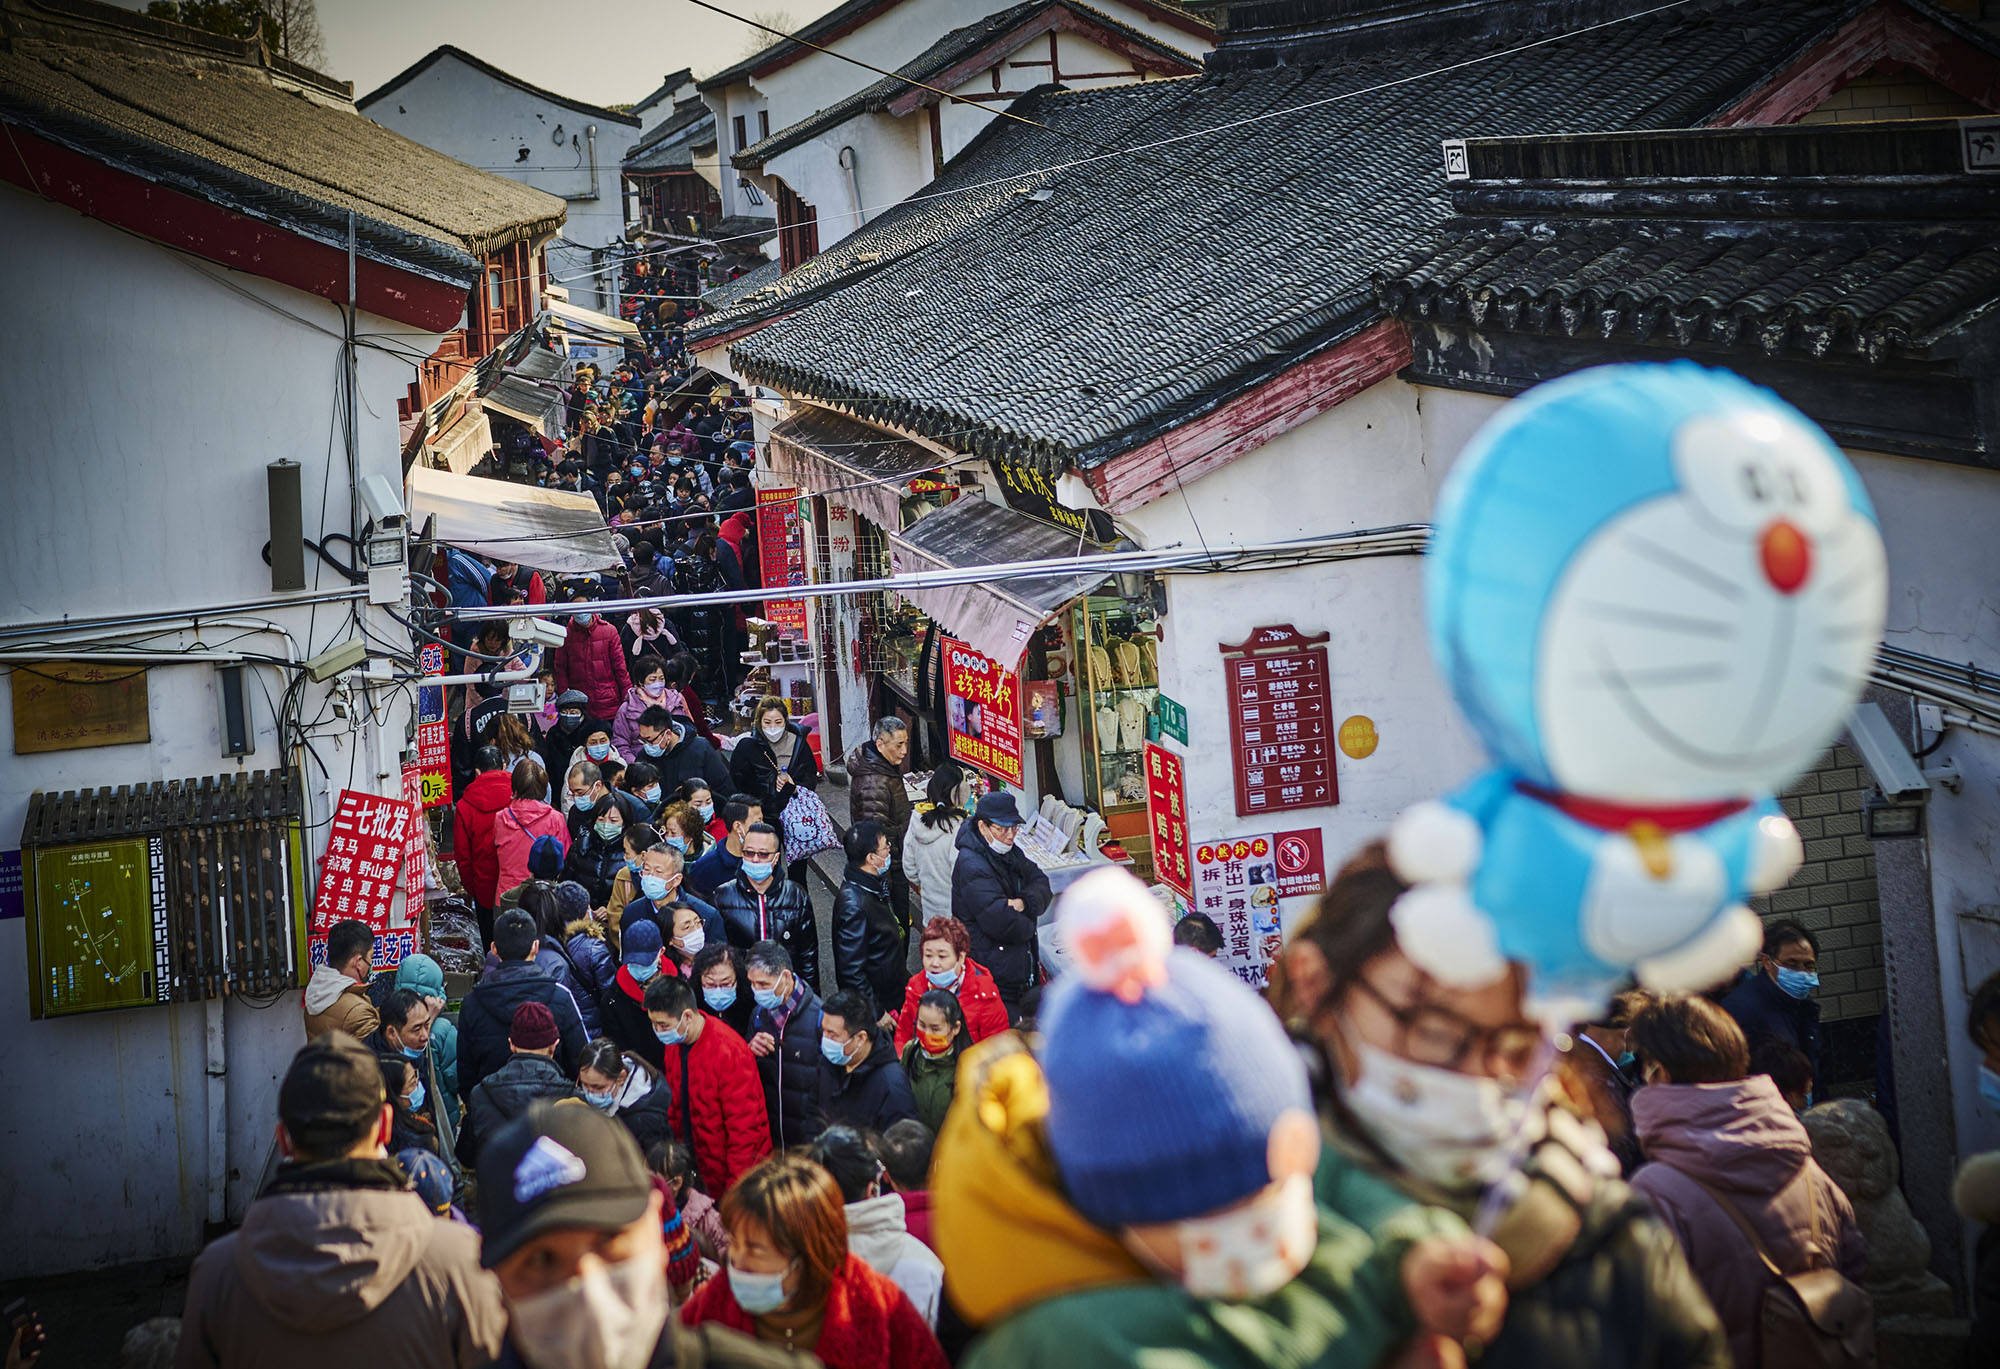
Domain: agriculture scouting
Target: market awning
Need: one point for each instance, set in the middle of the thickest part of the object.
(459, 447)
(591, 324)
(525, 401)
(851, 463)
(994, 618)
(553, 530)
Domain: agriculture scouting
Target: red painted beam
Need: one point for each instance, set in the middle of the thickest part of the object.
(1247, 422)
(181, 221)
(1887, 32)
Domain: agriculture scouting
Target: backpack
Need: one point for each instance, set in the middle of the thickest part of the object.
(1816, 1319)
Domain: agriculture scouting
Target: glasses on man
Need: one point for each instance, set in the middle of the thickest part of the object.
(767, 853)
(1434, 1035)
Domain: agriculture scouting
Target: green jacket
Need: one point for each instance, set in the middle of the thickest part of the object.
(932, 1082)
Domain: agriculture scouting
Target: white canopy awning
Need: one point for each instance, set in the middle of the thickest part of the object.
(459, 447)
(592, 324)
(552, 530)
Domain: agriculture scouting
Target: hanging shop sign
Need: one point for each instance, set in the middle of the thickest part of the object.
(364, 852)
(1166, 818)
(433, 731)
(982, 712)
(1236, 884)
(1028, 491)
(1279, 721)
(416, 852)
(840, 541)
(781, 554)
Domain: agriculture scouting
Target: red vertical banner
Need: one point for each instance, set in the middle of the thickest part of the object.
(416, 853)
(982, 712)
(358, 876)
(781, 554)
(1166, 816)
(433, 731)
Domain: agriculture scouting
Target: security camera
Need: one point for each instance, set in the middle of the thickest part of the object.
(540, 631)
(1890, 764)
(379, 497)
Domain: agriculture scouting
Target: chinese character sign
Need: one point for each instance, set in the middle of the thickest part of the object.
(1166, 818)
(982, 712)
(1236, 885)
(416, 853)
(358, 875)
(433, 732)
(1279, 723)
(781, 554)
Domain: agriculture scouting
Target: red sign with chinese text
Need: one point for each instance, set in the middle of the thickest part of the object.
(781, 554)
(1301, 861)
(1280, 728)
(416, 853)
(433, 731)
(982, 709)
(1166, 818)
(358, 875)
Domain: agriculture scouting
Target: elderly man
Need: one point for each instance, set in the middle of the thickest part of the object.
(875, 774)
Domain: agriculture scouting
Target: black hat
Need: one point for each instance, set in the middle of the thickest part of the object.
(559, 1165)
(331, 1093)
(998, 809)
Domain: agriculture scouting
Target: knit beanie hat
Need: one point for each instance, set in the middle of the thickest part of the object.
(533, 1028)
(572, 901)
(1166, 1073)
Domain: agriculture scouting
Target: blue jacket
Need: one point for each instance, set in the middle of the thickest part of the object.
(715, 868)
(1761, 1008)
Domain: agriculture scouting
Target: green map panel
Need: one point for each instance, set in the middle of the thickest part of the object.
(93, 912)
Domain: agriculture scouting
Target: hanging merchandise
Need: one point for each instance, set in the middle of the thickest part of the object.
(1042, 715)
(1656, 592)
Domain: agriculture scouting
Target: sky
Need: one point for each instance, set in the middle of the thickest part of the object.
(607, 53)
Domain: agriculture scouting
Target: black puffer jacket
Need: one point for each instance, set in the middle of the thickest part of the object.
(875, 792)
(791, 1073)
(1003, 940)
(781, 913)
(692, 759)
(504, 1095)
(594, 863)
(873, 1096)
(755, 767)
(647, 1119)
(489, 1012)
(868, 952)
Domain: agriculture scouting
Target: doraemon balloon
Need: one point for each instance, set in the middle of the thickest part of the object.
(1656, 592)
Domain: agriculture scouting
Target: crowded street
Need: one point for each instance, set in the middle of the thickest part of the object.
(1199, 684)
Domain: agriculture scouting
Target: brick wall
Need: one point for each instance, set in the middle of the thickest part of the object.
(1901, 94)
(1834, 891)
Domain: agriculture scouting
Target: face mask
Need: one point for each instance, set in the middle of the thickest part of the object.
(654, 689)
(934, 1045)
(570, 719)
(670, 1037)
(653, 886)
(632, 865)
(610, 831)
(642, 973)
(758, 870)
(766, 999)
(1000, 848)
(601, 1101)
(416, 1099)
(1451, 1129)
(758, 1294)
(597, 751)
(1626, 1060)
(941, 979)
(707, 811)
(582, 803)
(651, 794)
(409, 1054)
(608, 1317)
(585, 619)
(887, 861)
(719, 1000)
(653, 749)
(1253, 1251)
(1797, 983)
(773, 731)
(678, 843)
(834, 1051)
(638, 471)
(694, 941)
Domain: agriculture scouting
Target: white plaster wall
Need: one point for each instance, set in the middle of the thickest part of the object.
(136, 483)
(464, 113)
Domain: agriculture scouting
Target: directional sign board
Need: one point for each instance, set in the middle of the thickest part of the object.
(1280, 721)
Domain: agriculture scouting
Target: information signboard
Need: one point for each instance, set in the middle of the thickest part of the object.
(358, 878)
(99, 918)
(1279, 721)
(433, 731)
(781, 554)
(1166, 818)
(1236, 885)
(982, 709)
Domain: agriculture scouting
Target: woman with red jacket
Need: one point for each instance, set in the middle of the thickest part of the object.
(593, 660)
(718, 1098)
(791, 1280)
(946, 950)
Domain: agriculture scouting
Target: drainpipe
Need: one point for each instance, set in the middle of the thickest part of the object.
(590, 141)
(217, 1091)
(847, 161)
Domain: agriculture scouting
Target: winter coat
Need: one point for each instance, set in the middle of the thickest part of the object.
(645, 1106)
(931, 1081)
(704, 1223)
(593, 963)
(713, 1347)
(558, 744)
(791, 1071)
(929, 856)
(1743, 1140)
(917, 1215)
(872, 1096)
(339, 1265)
(488, 1012)
(625, 723)
(593, 660)
(691, 758)
(424, 975)
(711, 870)
(876, 1234)
(504, 1095)
(1761, 1008)
(978, 998)
(869, 949)
(755, 767)
(1003, 940)
(875, 792)
(472, 836)
(594, 862)
(717, 1104)
(782, 913)
(867, 1324)
(711, 921)
(333, 1002)
(514, 833)
(623, 1012)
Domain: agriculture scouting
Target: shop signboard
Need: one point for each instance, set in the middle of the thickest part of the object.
(416, 854)
(781, 554)
(1028, 491)
(982, 709)
(1280, 726)
(1173, 719)
(358, 877)
(433, 731)
(1166, 818)
(1236, 885)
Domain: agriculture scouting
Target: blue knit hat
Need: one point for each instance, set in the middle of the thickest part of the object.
(1162, 1109)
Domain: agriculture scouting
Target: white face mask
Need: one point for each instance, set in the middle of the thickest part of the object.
(1256, 1249)
(607, 1317)
(773, 731)
(1449, 1129)
(694, 941)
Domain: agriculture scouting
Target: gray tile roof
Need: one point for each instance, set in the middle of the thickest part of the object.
(485, 68)
(945, 53)
(749, 283)
(668, 85)
(210, 118)
(670, 147)
(1144, 289)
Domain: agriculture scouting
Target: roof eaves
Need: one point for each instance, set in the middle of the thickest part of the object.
(785, 48)
(424, 63)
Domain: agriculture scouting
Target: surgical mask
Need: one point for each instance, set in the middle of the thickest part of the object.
(670, 1037)
(597, 751)
(410, 1054)
(773, 731)
(941, 979)
(585, 619)
(570, 719)
(1797, 983)
(759, 1294)
(653, 749)
(1000, 848)
(632, 865)
(755, 870)
(887, 861)
(678, 843)
(416, 1099)
(653, 886)
(719, 1000)
(834, 1051)
(582, 802)
(1450, 1129)
(655, 688)
(1989, 1087)
(607, 1317)
(610, 831)
(651, 793)
(766, 999)
(694, 941)
(707, 811)
(1626, 1060)
(638, 471)
(1253, 1250)
(601, 1101)
(642, 973)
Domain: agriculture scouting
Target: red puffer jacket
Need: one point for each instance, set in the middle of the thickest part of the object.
(472, 834)
(593, 660)
(978, 995)
(869, 1322)
(732, 1129)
